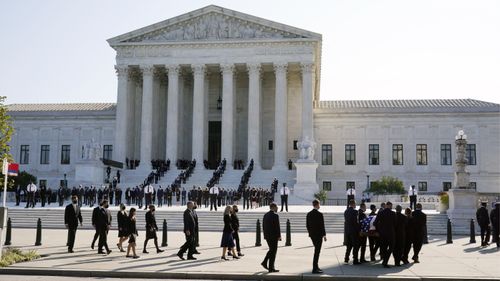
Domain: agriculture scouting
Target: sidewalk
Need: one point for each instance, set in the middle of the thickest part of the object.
(439, 261)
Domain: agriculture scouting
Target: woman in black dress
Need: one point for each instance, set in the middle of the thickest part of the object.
(132, 231)
(227, 242)
(122, 219)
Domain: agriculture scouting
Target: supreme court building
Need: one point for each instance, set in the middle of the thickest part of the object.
(219, 84)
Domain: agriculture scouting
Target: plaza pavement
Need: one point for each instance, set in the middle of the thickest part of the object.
(439, 261)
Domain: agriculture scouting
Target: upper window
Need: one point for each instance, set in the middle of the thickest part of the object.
(350, 154)
(326, 154)
(65, 154)
(470, 153)
(445, 154)
(397, 154)
(44, 154)
(373, 154)
(107, 152)
(421, 154)
(25, 154)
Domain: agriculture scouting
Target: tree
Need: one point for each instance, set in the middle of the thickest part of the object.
(387, 185)
(23, 179)
(322, 195)
(6, 131)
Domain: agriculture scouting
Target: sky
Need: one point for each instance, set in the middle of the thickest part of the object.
(55, 51)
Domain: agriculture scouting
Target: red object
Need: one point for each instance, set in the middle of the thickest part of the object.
(13, 169)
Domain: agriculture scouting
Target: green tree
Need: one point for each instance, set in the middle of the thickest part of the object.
(322, 195)
(6, 131)
(387, 185)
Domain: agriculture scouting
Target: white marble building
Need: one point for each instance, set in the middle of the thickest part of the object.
(215, 83)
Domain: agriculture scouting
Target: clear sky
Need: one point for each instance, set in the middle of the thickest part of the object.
(56, 51)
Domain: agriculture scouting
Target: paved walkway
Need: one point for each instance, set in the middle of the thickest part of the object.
(457, 261)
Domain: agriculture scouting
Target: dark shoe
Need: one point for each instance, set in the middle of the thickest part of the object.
(236, 258)
(192, 258)
(101, 252)
(224, 258)
(145, 252)
(405, 261)
(356, 262)
(273, 270)
(240, 255)
(264, 265)
(180, 256)
(416, 261)
(397, 264)
(196, 253)
(372, 258)
(386, 266)
(135, 257)
(159, 251)
(108, 252)
(317, 271)
(346, 261)
(70, 251)
(128, 256)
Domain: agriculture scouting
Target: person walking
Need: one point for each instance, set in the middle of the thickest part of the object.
(410, 233)
(235, 221)
(419, 224)
(272, 234)
(386, 224)
(362, 238)
(72, 216)
(122, 219)
(95, 215)
(103, 225)
(227, 241)
(484, 224)
(132, 231)
(151, 229)
(495, 223)
(189, 232)
(315, 224)
(352, 230)
(400, 237)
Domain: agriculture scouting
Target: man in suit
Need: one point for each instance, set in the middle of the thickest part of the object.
(214, 192)
(148, 195)
(18, 195)
(316, 228)
(351, 193)
(400, 237)
(189, 232)
(102, 226)
(484, 224)
(272, 234)
(419, 220)
(31, 190)
(495, 223)
(95, 215)
(196, 229)
(235, 222)
(72, 216)
(412, 193)
(284, 192)
(362, 238)
(151, 229)
(385, 223)
(352, 230)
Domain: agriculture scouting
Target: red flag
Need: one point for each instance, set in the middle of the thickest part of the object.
(13, 169)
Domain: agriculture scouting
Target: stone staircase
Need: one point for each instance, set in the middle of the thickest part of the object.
(209, 221)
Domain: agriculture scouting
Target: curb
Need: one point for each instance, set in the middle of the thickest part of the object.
(217, 276)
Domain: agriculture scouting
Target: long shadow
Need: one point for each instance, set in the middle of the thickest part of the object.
(369, 269)
(489, 250)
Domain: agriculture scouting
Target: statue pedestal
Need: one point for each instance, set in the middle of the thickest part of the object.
(306, 184)
(89, 172)
(462, 207)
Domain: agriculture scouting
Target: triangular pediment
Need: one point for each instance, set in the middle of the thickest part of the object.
(212, 23)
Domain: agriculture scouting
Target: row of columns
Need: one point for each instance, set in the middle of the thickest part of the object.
(227, 136)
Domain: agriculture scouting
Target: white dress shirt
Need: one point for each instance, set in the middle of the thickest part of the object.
(284, 190)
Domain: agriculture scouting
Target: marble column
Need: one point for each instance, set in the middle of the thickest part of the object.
(122, 106)
(198, 136)
(307, 100)
(280, 117)
(227, 114)
(146, 117)
(172, 113)
(254, 101)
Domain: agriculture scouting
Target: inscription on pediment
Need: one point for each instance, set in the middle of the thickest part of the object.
(213, 26)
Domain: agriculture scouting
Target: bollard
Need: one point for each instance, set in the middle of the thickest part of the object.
(164, 242)
(288, 234)
(426, 238)
(257, 234)
(38, 241)
(472, 232)
(8, 235)
(449, 239)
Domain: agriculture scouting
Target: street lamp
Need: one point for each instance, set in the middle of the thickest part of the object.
(461, 135)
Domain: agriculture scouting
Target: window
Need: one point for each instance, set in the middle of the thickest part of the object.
(470, 153)
(397, 154)
(44, 154)
(473, 185)
(350, 184)
(25, 154)
(65, 154)
(270, 145)
(446, 185)
(350, 154)
(295, 145)
(107, 151)
(421, 154)
(445, 154)
(422, 186)
(326, 154)
(327, 186)
(373, 154)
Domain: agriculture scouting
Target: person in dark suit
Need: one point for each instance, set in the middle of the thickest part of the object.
(495, 223)
(412, 193)
(72, 216)
(419, 224)
(151, 229)
(189, 229)
(315, 224)
(385, 224)
(102, 225)
(362, 238)
(272, 234)
(409, 231)
(400, 238)
(122, 219)
(484, 224)
(95, 215)
(196, 229)
(235, 222)
(132, 230)
(352, 229)
(227, 241)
